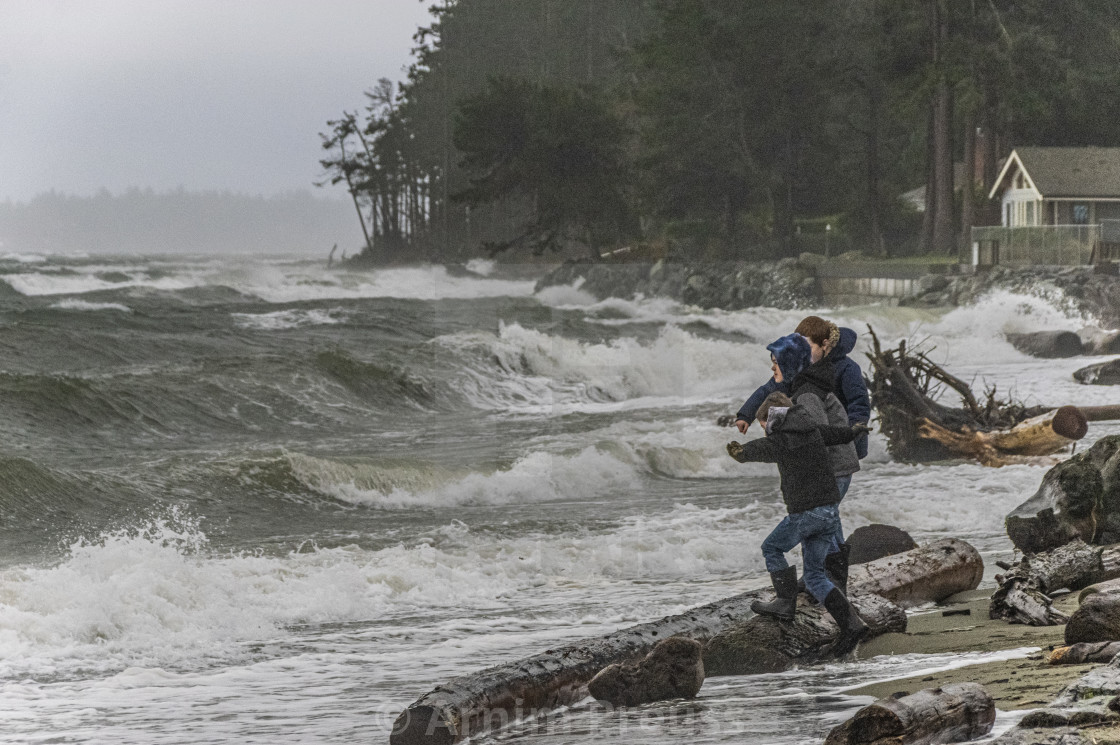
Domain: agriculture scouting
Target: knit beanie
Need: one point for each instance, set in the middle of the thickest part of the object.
(792, 353)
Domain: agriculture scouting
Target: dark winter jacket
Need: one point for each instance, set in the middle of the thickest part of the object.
(800, 448)
(847, 384)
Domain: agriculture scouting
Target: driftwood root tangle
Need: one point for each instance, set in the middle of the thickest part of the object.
(1024, 591)
(952, 713)
(905, 389)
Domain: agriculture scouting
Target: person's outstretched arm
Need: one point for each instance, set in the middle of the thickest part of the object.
(761, 450)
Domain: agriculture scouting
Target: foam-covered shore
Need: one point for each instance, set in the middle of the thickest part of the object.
(791, 283)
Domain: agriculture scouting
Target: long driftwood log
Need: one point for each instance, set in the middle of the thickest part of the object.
(1024, 590)
(489, 699)
(765, 645)
(953, 713)
(929, 573)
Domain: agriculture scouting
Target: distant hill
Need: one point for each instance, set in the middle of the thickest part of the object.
(145, 221)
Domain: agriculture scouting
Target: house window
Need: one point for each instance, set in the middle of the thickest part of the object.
(1030, 214)
(1080, 214)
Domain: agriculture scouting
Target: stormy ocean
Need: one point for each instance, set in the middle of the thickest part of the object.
(257, 501)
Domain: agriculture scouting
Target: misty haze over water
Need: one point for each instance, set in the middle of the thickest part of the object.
(185, 222)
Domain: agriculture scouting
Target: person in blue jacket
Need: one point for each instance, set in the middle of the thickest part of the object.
(829, 346)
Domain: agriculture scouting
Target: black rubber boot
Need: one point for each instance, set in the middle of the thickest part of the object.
(785, 586)
(836, 566)
(852, 627)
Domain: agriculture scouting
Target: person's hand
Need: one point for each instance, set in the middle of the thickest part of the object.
(861, 428)
(735, 450)
(742, 425)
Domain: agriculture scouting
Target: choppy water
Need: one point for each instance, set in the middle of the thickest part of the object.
(254, 501)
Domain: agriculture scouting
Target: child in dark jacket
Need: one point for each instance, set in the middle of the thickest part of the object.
(798, 444)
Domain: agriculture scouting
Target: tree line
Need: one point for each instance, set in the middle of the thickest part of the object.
(734, 129)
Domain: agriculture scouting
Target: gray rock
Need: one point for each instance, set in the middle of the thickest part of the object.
(932, 283)
(1079, 498)
(1097, 619)
(1047, 344)
(673, 669)
(1099, 341)
(1102, 373)
(876, 541)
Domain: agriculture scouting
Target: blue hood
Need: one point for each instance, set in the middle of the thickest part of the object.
(792, 353)
(844, 347)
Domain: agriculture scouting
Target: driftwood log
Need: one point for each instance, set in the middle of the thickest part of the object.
(953, 713)
(905, 388)
(469, 705)
(1024, 590)
(1082, 652)
(765, 645)
(929, 573)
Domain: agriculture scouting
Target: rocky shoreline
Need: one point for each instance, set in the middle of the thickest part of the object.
(792, 283)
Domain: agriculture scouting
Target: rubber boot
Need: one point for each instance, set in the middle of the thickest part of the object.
(852, 627)
(836, 566)
(785, 586)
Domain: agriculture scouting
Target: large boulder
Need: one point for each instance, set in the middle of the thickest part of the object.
(1097, 619)
(673, 669)
(1079, 498)
(1099, 341)
(875, 541)
(1102, 373)
(1047, 344)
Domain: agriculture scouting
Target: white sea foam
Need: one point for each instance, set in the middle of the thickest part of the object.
(75, 304)
(298, 283)
(536, 477)
(21, 258)
(485, 267)
(41, 283)
(544, 373)
(290, 319)
(272, 281)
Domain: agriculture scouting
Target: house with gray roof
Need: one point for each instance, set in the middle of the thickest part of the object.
(1059, 186)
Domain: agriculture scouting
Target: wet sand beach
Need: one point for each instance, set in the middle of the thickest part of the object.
(961, 625)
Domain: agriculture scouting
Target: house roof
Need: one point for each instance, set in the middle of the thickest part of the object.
(1058, 172)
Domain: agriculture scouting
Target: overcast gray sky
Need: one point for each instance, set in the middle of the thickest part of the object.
(204, 94)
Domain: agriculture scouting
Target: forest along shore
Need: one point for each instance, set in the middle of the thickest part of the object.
(792, 283)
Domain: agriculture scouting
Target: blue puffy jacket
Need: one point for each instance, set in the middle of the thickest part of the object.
(848, 385)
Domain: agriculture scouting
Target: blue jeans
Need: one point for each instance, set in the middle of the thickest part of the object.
(842, 484)
(815, 530)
